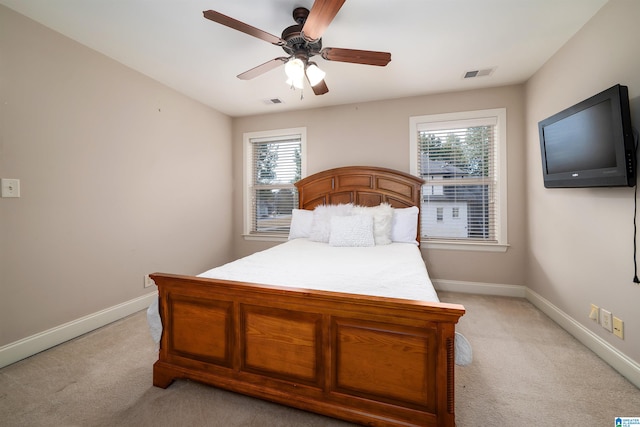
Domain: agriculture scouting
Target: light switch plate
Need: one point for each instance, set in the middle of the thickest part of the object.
(10, 187)
(605, 319)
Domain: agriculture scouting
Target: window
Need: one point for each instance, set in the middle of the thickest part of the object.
(461, 158)
(274, 161)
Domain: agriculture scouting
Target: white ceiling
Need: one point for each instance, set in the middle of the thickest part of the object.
(432, 44)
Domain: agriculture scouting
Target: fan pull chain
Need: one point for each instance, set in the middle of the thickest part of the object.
(301, 91)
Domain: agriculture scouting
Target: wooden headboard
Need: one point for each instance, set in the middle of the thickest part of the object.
(360, 185)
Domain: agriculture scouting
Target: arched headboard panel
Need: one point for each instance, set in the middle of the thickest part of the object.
(360, 185)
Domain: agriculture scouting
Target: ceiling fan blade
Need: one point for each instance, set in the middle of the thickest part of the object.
(321, 14)
(320, 88)
(241, 26)
(367, 57)
(262, 68)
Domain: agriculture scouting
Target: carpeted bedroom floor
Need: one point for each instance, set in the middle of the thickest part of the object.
(526, 371)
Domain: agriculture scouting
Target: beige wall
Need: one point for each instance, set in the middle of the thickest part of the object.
(120, 177)
(580, 240)
(377, 133)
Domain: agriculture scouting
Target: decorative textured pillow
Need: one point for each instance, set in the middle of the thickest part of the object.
(404, 225)
(382, 218)
(352, 230)
(301, 220)
(321, 225)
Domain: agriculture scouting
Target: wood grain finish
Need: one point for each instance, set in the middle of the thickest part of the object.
(367, 356)
(363, 185)
(370, 360)
(284, 344)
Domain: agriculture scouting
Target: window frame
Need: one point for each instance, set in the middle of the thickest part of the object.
(248, 175)
(500, 115)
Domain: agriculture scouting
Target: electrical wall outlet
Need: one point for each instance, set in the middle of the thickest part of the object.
(605, 320)
(618, 328)
(148, 281)
(10, 187)
(593, 314)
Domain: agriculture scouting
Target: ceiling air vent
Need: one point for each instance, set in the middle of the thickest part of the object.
(271, 101)
(478, 73)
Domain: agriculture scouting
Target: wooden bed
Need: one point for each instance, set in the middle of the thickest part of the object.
(370, 360)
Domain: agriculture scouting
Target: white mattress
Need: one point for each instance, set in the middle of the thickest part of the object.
(396, 270)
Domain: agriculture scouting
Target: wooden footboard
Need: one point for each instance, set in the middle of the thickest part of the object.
(370, 360)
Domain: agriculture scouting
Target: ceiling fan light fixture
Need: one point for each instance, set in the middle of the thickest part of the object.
(315, 74)
(294, 69)
(295, 83)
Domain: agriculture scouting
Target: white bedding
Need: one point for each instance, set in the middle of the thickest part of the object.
(395, 270)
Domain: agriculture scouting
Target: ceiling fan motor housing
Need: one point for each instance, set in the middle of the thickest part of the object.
(297, 45)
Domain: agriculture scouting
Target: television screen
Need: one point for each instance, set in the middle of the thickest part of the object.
(590, 144)
(581, 141)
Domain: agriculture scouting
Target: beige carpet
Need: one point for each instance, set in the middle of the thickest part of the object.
(527, 371)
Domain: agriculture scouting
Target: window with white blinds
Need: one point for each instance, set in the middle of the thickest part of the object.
(274, 162)
(460, 158)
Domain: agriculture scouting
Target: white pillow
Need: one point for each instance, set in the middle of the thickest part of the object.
(382, 217)
(404, 225)
(301, 220)
(352, 230)
(321, 225)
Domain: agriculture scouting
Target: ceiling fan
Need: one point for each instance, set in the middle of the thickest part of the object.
(301, 42)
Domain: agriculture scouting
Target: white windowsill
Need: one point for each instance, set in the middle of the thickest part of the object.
(466, 246)
(266, 237)
(455, 246)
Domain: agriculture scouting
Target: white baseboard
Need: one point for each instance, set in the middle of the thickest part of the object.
(627, 367)
(29, 346)
(480, 288)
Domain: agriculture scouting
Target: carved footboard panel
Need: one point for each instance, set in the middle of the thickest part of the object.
(370, 360)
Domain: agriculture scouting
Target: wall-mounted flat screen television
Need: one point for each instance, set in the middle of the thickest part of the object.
(590, 144)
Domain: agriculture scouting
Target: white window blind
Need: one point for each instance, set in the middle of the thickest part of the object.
(458, 161)
(275, 164)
